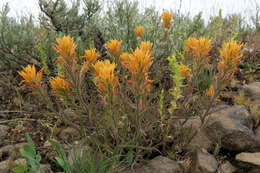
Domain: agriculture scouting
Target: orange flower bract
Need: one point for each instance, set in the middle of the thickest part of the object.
(91, 55)
(104, 76)
(230, 55)
(65, 48)
(184, 71)
(32, 79)
(114, 47)
(139, 31)
(138, 63)
(146, 46)
(59, 85)
(198, 47)
(210, 91)
(167, 18)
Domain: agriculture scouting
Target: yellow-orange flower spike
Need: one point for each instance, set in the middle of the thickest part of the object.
(146, 46)
(198, 47)
(105, 79)
(91, 55)
(230, 55)
(124, 58)
(137, 62)
(59, 85)
(32, 79)
(65, 47)
(210, 91)
(167, 19)
(185, 73)
(139, 31)
(114, 47)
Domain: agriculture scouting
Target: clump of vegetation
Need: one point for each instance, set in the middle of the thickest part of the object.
(123, 80)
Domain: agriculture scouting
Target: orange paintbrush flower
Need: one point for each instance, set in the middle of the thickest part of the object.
(32, 79)
(230, 55)
(114, 47)
(185, 73)
(91, 55)
(198, 47)
(146, 46)
(210, 91)
(105, 79)
(138, 63)
(167, 18)
(139, 31)
(65, 48)
(59, 85)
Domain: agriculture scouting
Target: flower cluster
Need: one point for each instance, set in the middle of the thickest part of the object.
(138, 63)
(105, 78)
(230, 55)
(185, 73)
(59, 85)
(32, 79)
(167, 18)
(65, 47)
(198, 47)
(114, 48)
(139, 31)
(209, 91)
(90, 57)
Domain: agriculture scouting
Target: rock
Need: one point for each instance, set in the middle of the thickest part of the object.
(257, 135)
(68, 133)
(3, 131)
(233, 126)
(252, 158)
(7, 165)
(227, 167)
(9, 150)
(4, 167)
(252, 90)
(200, 140)
(159, 165)
(20, 162)
(254, 170)
(46, 168)
(204, 162)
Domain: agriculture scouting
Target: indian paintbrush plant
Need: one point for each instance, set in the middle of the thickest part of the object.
(125, 114)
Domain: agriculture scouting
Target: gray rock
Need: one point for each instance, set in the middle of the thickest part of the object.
(12, 149)
(252, 158)
(4, 167)
(234, 127)
(254, 170)
(7, 165)
(257, 135)
(227, 167)
(252, 90)
(200, 140)
(3, 131)
(159, 165)
(204, 162)
(46, 168)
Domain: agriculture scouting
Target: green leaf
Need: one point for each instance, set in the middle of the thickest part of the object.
(38, 158)
(60, 161)
(130, 157)
(20, 169)
(28, 152)
(29, 139)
